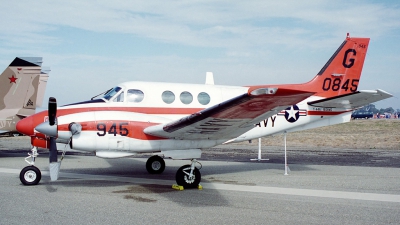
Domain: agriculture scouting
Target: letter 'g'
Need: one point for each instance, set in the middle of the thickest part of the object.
(350, 62)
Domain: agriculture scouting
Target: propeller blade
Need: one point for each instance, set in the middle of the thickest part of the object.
(52, 110)
(53, 150)
(54, 165)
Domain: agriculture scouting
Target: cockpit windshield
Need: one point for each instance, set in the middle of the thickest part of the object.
(111, 93)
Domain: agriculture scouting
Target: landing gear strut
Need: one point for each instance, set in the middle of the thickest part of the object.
(30, 175)
(188, 176)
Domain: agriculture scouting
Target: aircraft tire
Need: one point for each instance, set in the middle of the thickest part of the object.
(182, 177)
(155, 165)
(30, 175)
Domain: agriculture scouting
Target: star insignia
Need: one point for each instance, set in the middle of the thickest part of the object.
(13, 79)
(292, 113)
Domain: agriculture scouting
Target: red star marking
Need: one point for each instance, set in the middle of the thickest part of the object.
(13, 79)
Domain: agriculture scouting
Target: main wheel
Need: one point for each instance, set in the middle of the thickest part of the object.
(155, 165)
(30, 175)
(183, 179)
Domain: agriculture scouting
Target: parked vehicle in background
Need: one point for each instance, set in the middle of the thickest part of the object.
(362, 115)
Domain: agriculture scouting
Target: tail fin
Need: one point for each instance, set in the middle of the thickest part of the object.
(21, 85)
(341, 74)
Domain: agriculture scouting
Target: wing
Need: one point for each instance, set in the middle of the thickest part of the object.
(352, 100)
(231, 118)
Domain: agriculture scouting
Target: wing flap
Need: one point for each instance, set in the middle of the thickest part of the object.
(232, 117)
(352, 100)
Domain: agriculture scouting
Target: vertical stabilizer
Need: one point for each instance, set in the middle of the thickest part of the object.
(341, 74)
(22, 85)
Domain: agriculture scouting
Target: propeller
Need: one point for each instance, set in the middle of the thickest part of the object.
(50, 128)
(53, 158)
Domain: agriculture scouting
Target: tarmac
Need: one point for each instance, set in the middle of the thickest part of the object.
(323, 186)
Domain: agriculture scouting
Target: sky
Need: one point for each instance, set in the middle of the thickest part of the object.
(91, 46)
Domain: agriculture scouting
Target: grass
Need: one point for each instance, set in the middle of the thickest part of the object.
(357, 134)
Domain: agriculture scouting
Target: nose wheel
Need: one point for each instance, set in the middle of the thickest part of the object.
(30, 175)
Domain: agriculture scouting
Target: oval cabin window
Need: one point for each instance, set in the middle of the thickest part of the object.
(134, 95)
(186, 97)
(203, 98)
(168, 97)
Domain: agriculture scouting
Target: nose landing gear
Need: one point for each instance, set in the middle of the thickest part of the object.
(30, 175)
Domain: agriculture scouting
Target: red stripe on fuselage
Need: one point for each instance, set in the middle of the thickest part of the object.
(325, 113)
(131, 129)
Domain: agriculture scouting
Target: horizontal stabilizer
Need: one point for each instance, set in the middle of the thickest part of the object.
(352, 100)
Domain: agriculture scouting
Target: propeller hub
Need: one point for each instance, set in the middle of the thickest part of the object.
(47, 129)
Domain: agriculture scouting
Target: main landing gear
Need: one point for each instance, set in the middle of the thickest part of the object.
(30, 175)
(187, 176)
(155, 165)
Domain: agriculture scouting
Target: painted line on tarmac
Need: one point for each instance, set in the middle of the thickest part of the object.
(232, 187)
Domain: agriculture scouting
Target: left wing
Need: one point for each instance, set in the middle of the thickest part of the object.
(352, 100)
(231, 118)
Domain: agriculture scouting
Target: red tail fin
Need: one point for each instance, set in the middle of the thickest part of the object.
(341, 74)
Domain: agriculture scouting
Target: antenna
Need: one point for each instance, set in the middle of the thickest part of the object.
(209, 78)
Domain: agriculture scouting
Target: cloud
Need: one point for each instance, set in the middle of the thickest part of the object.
(202, 23)
(270, 41)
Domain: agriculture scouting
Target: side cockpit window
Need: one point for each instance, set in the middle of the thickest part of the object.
(134, 95)
(111, 93)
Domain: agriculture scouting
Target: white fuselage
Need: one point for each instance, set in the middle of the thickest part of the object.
(151, 107)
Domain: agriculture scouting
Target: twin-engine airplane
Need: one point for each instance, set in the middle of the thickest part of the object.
(178, 120)
(22, 86)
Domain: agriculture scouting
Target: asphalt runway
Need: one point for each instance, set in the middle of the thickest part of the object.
(92, 190)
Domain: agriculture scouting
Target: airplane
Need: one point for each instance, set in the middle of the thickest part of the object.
(22, 86)
(175, 120)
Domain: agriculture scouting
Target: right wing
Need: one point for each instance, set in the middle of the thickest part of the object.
(352, 100)
(231, 118)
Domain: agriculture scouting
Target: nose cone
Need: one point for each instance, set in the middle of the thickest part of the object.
(25, 126)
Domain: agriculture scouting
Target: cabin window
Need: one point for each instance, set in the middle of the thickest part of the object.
(134, 95)
(186, 97)
(119, 98)
(203, 98)
(168, 97)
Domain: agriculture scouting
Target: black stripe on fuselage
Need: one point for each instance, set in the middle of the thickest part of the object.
(87, 102)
